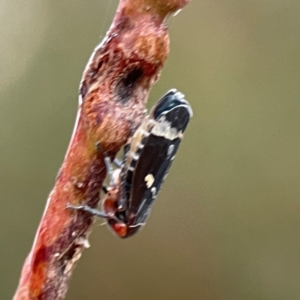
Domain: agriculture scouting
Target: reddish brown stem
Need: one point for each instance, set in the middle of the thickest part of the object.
(113, 93)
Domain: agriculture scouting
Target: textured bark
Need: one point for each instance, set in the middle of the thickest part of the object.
(113, 93)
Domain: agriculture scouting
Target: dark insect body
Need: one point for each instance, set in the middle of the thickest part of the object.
(147, 159)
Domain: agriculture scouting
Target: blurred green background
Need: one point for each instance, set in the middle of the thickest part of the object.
(226, 225)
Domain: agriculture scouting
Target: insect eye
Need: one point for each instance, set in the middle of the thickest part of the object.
(120, 229)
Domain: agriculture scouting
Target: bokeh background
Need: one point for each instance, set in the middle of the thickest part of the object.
(226, 225)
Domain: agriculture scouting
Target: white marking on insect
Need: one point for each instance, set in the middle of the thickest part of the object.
(170, 151)
(165, 130)
(141, 146)
(179, 95)
(153, 191)
(149, 179)
(135, 156)
(144, 132)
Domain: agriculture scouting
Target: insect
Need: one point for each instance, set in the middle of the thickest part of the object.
(148, 156)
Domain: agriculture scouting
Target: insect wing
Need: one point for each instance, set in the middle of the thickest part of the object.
(155, 159)
(149, 174)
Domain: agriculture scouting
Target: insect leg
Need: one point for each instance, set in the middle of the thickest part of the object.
(117, 163)
(107, 162)
(110, 170)
(92, 211)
